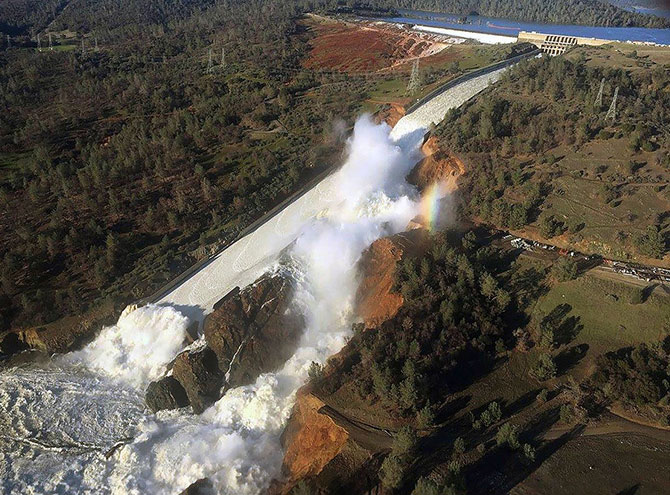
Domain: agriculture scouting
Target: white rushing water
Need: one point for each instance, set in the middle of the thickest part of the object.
(58, 421)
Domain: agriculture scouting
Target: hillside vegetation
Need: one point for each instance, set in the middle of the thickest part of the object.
(120, 166)
(542, 157)
(589, 12)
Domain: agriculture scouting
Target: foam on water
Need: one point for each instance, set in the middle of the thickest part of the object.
(136, 349)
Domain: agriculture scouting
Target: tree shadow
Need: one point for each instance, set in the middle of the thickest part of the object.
(501, 469)
(632, 490)
(568, 330)
(565, 327)
(450, 408)
(648, 291)
(521, 402)
(568, 358)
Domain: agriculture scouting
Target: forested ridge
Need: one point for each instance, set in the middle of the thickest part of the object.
(588, 12)
(21, 16)
(120, 165)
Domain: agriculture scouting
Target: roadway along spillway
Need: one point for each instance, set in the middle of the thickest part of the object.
(245, 260)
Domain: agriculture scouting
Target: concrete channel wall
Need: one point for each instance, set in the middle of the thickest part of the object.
(242, 261)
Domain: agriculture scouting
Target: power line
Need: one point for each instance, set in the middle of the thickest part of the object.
(599, 98)
(210, 63)
(414, 78)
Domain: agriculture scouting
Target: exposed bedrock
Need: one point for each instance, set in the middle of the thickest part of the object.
(250, 331)
(166, 393)
(203, 486)
(437, 166)
(376, 299)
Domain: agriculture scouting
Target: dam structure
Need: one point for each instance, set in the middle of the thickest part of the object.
(246, 259)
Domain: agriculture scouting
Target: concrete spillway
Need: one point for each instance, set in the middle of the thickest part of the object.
(60, 419)
(243, 261)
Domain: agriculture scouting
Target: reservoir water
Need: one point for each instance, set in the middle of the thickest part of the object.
(512, 28)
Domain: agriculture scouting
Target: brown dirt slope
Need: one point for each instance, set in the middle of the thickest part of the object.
(311, 439)
(364, 47)
(376, 300)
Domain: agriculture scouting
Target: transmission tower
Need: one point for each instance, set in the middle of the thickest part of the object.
(51, 46)
(599, 98)
(611, 113)
(414, 81)
(210, 63)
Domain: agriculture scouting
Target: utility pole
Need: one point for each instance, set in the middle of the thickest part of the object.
(9, 42)
(599, 98)
(96, 43)
(39, 43)
(223, 57)
(611, 113)
(83, 48)
(51, 47)
(414, 81)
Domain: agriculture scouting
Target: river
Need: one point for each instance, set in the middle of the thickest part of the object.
(508, 27)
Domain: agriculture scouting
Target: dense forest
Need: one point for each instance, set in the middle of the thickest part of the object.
(454, 321)
(125, 155)
(588, 12)
(31, 16)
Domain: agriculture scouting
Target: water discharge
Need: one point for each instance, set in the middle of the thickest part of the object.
(236, 441)
(59, 421)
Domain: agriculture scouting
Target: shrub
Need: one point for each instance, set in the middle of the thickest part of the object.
(392, 471)
(550, 227)
(637, 296)
(425, 418)
(545, 368)
(459, 446)
(650, 243)
(529, 452)
(507, 434)
(315, 371)
(564, 269)
(567, 413)
(404, 441)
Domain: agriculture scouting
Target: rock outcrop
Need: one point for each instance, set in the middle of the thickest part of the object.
(376, 299)
(436, 166)
(250, 331)
(64, 335)
(390, 113)
(311, 439)
(166, 393)
(197, 371)
(203, 486)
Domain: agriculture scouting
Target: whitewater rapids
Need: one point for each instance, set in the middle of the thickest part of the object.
(59, 422)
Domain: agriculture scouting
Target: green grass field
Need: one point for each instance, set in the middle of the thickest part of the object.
(608, 319)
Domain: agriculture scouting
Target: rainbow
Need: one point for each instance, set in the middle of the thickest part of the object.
(430, 204)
